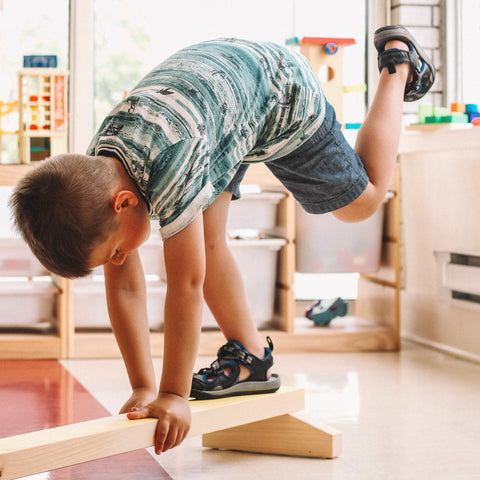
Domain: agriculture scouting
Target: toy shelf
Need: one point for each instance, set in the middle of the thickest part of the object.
(43, 119)
(37, 345)
(374, 327)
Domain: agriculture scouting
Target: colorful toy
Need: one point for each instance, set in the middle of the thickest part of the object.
(322, 312)
(43, 125)
(460, 115)
(471, 109)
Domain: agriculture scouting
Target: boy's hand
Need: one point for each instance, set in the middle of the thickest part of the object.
(174, 419)
(138, 399)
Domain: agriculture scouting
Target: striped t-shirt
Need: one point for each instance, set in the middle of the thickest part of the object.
(183, 131)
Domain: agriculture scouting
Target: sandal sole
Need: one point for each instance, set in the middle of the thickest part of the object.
(242, 388)
(397, 32)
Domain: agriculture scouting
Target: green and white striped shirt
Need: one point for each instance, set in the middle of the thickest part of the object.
(183, 131)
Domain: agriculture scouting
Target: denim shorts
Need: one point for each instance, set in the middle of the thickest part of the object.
(323, 174)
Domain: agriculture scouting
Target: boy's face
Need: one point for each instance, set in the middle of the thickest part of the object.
(133, 230)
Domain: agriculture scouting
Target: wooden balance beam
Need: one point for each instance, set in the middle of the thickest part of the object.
(254, 423)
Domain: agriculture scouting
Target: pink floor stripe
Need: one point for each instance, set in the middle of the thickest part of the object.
(38, 394)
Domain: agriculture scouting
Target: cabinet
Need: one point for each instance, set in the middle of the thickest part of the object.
(441, 192)
(375, 325)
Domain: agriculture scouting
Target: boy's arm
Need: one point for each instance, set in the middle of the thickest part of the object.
(126, 299)
(185, 267)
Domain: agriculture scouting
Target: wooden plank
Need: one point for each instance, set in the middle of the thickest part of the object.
(11, 174)
(54, 448)
(285, 435)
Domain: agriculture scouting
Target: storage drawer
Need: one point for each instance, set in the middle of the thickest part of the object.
(17, 260)
(27, 304)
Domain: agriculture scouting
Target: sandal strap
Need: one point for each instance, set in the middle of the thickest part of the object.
(395, 56)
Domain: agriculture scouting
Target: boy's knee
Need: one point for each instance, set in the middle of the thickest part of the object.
(362, 207)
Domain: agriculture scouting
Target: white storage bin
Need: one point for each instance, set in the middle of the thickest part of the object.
(27, 303)
(151, 255)
(325, 244)
(17, 260)
(254, 210)
(90, 304)
(257, 260)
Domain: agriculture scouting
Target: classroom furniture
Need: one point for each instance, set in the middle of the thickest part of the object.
(373, 327)
(440, 171)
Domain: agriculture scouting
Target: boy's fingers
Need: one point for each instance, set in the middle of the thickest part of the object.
(137, 413)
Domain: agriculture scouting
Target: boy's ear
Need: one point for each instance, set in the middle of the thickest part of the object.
(124, 199)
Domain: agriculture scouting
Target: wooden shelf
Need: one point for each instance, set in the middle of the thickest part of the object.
(11, 174)
(378, 302)
(30, 345)
(348, 334)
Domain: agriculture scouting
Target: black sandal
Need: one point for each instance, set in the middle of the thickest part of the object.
(423, 70)
(214, 382)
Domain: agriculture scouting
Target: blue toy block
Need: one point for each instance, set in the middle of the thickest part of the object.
(472, 115)
(471, 108)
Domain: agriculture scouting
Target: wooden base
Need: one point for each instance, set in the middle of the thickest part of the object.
(257, 423)
(284, 435)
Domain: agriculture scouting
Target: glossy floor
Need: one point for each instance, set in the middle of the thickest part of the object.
(408, 415)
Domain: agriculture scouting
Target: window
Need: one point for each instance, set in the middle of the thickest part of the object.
(470, 60)
(130, 43)
(28, 27)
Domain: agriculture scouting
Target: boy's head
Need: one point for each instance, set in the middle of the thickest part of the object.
(63, 210)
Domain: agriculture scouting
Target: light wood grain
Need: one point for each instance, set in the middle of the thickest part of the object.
(285, 435)
(54, 448)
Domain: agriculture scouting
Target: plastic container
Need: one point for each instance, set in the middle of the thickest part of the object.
(17, 260)
(90, 304)
(325, 244)
(257, 260)
(27, 304)
(254, 210)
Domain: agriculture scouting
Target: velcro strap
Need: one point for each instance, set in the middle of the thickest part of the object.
(390, 58)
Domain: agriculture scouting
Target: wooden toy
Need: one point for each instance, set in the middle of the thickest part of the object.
(43, 122)
(254, 423)
(326, 54)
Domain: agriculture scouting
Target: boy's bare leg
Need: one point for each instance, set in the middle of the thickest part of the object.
(378, 139)
(224, 290)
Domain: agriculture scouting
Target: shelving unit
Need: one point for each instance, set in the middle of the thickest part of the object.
(374, 327)
(37, 345)
(43, 122)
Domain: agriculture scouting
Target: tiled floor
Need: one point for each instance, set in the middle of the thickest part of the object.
(408, 415)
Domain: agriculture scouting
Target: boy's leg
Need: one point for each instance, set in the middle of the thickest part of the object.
(224, 289)
(379, 137)
(378, 140)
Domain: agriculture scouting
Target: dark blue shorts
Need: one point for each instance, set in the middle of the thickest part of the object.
(323, 174)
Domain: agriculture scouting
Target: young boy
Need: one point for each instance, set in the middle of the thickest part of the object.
(176, 149)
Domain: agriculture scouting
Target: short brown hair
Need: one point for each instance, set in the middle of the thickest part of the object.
(62, 209)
